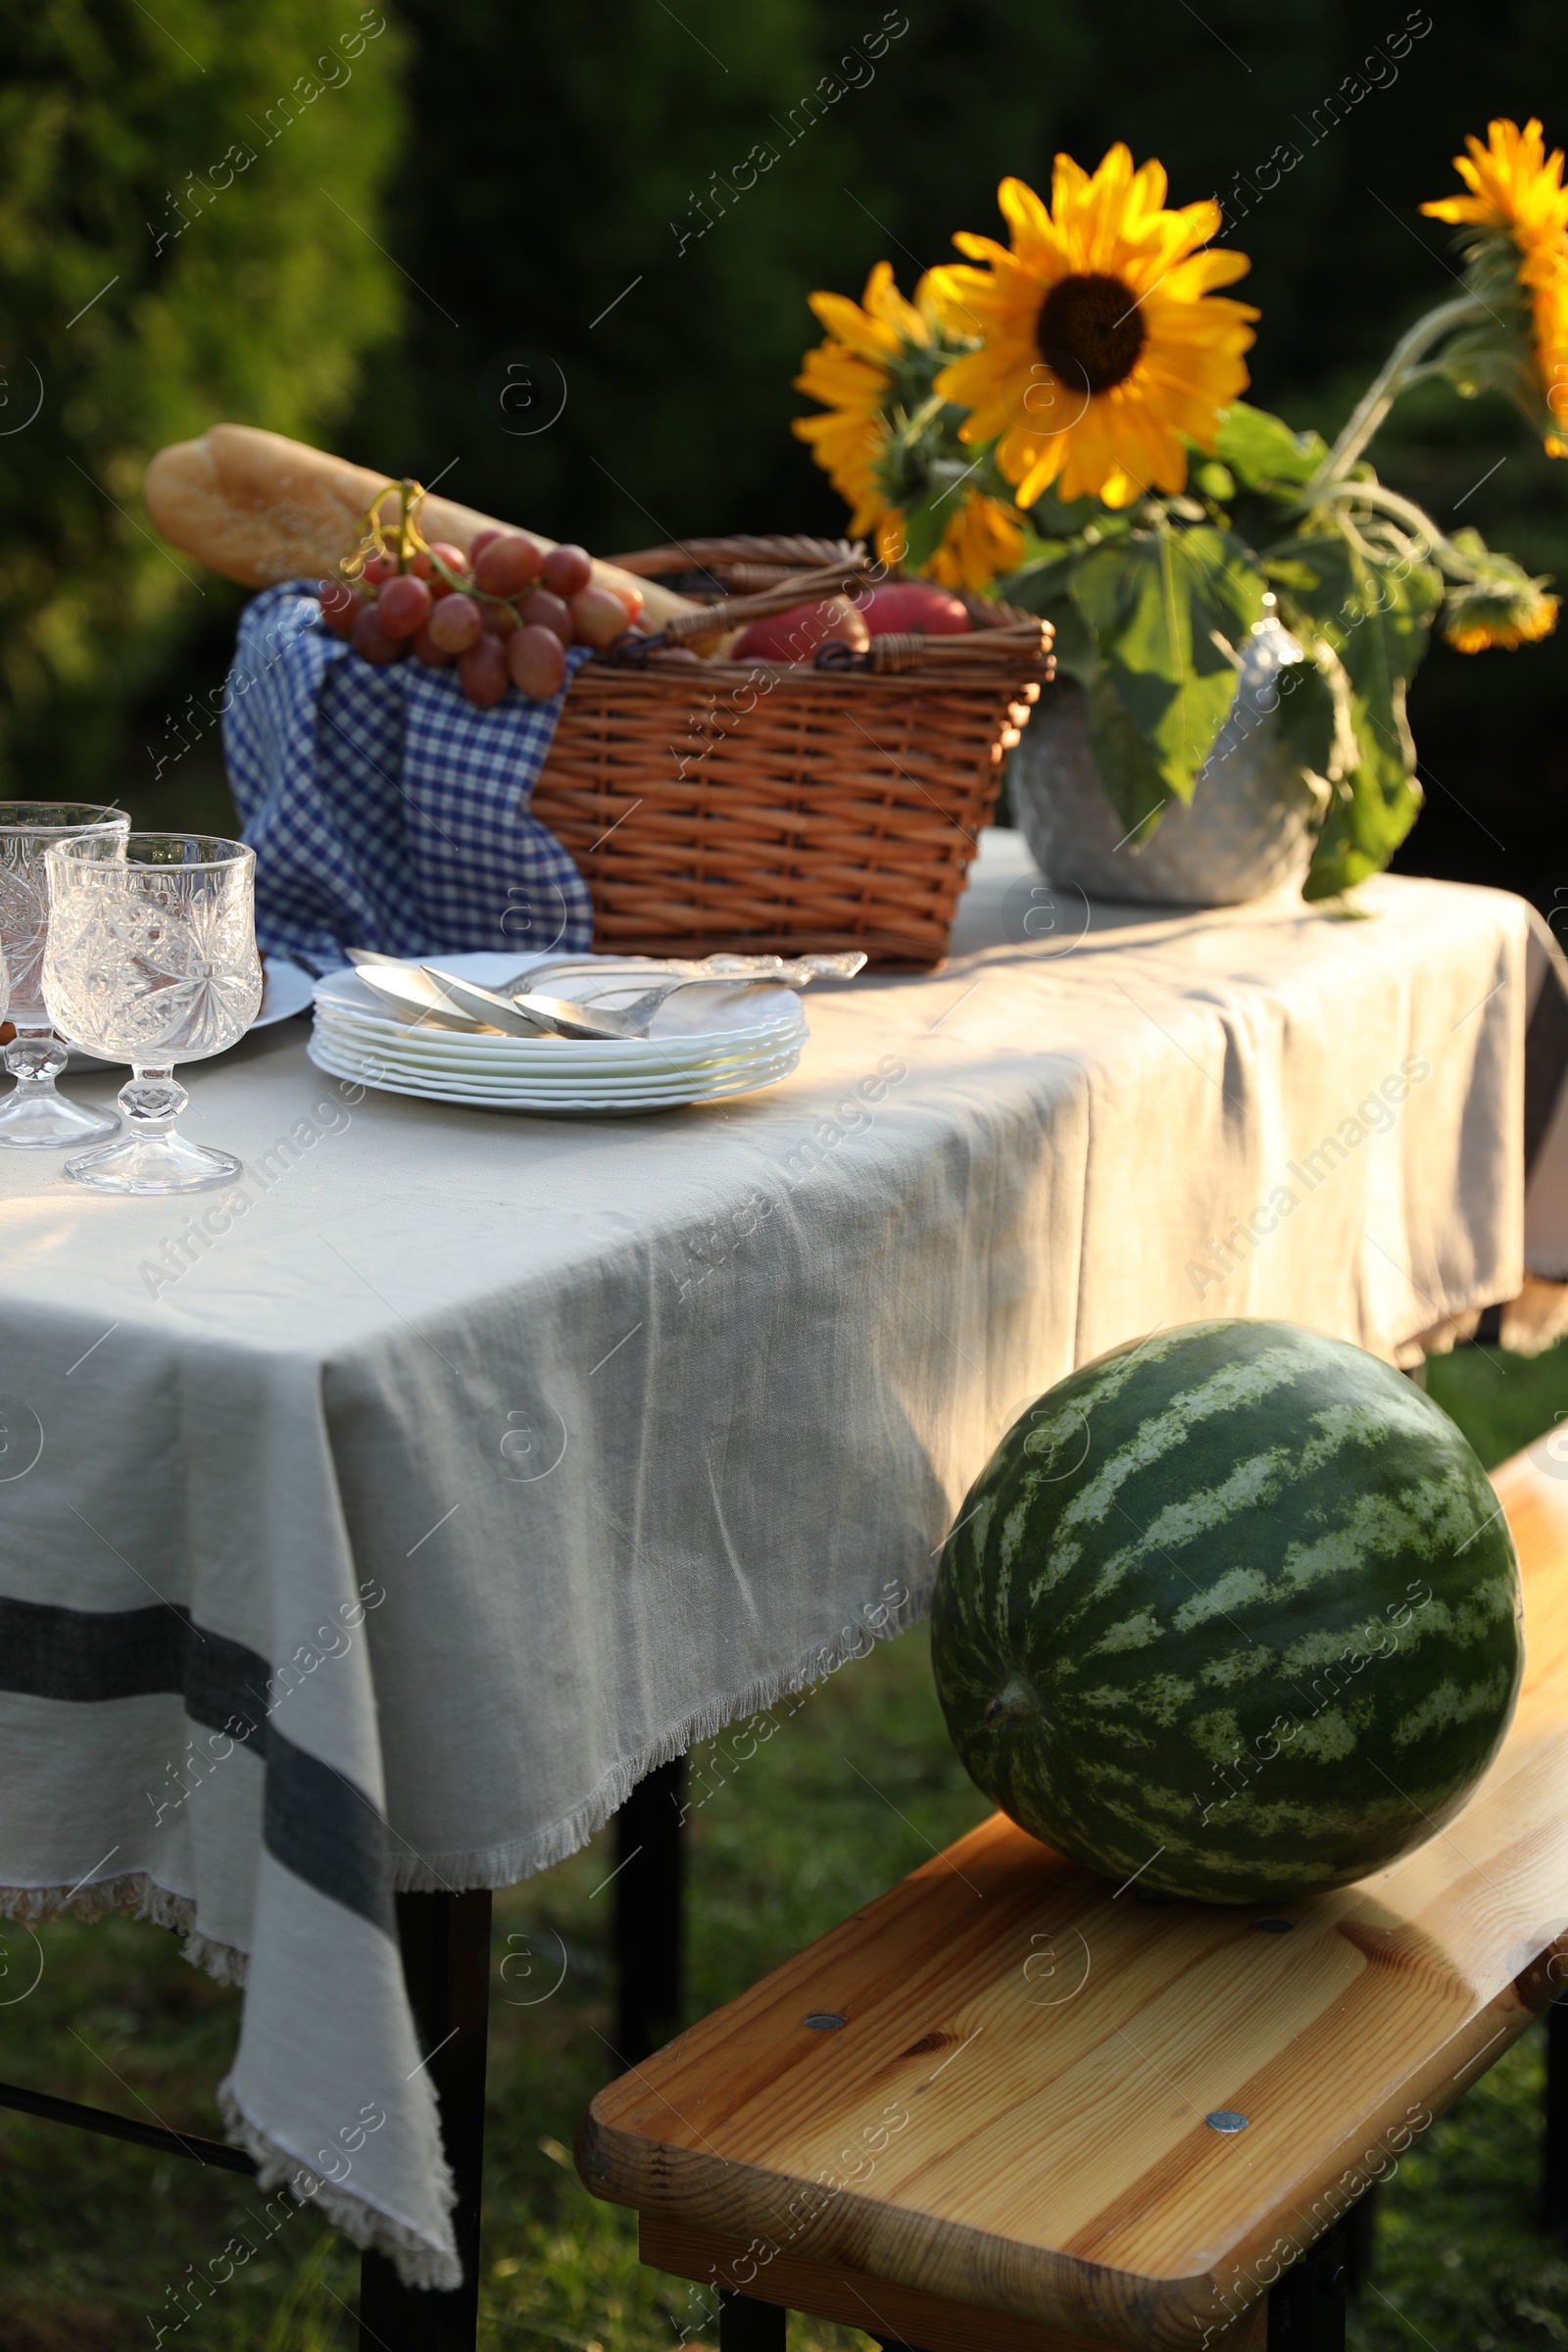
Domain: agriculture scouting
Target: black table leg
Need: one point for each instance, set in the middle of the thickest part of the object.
(1306, 2310)
(745, 2326)
(649, 1890)
(1555, 2172)
(1360, 2235)
(445, 1940)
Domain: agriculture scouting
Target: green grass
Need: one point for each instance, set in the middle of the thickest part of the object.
(857, 1785)
(1500, 1402)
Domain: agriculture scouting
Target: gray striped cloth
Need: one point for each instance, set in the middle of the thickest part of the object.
(256, 1784)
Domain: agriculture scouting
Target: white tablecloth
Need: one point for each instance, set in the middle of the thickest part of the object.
(382, 1524)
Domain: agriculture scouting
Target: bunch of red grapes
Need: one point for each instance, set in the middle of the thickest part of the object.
(505, 613)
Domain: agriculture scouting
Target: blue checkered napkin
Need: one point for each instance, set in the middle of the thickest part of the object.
(384, 809)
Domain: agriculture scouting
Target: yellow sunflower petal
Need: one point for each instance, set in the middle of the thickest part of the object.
(1202, 272)
(892, 540)
(1094, 466)
(883, 302)
(982, 539)
(848, 324)
(1148, 187)
(979, 249)
(1034, 234)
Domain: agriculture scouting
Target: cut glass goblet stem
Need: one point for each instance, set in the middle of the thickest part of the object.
(34, 1116)
(150, 1157)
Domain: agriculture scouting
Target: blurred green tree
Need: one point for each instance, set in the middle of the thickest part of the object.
(185, 208)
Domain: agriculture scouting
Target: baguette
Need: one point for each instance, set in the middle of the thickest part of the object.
(261, 509)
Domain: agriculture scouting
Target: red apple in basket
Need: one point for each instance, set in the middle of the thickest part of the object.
(914, 607)
(795, 635)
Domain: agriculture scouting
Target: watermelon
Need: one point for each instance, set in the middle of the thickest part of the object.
(1232, 1611)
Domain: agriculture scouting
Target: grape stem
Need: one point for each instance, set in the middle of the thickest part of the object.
(373, 541)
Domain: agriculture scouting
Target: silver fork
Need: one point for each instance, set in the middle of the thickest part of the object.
(640, 1010)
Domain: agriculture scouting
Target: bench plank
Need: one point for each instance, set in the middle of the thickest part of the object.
(1012, 2113)
(882, 2309)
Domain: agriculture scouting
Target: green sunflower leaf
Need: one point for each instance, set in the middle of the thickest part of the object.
(1307, 721)
(1262, 452)
(1165, 610)
(924, 523)
(1373, 618)
(1132, 782)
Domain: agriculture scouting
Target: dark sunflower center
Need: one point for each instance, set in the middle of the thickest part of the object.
(1090, 331)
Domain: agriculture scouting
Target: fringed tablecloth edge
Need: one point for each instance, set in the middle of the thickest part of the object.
(139, 1893)
(523, 1857)
(417, 2262)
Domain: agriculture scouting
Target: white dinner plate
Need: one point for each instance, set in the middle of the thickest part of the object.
(605, 1105)
(689, 1026)
(384, 1071)
(546, 1060)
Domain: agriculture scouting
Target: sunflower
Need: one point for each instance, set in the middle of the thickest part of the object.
(1517, 199)
(1103, 348)
(1490, 616)
(874, 375)
(856, 374)
(1515, 185)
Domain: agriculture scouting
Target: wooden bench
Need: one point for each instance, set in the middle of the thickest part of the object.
(1008, 2108)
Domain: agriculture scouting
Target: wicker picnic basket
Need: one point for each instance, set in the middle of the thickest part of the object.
(788, 807)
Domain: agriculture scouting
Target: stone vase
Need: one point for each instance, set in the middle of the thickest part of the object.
(1248, 829)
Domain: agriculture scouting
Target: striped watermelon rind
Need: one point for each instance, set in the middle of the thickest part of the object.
(1234, 1609)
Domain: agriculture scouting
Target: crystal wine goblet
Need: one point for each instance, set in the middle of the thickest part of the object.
(152, 959)
(33, 1113)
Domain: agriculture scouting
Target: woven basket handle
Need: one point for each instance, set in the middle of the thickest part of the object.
(796, 588)
(776, 554)
(788, 572)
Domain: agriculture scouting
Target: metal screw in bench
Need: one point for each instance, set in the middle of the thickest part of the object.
(1225, 2118)
(823, 2021)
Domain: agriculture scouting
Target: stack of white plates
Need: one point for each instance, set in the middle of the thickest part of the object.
(706, 1043)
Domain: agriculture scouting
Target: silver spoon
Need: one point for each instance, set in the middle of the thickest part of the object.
(529, 1015)
(507, 1013)
(419, 1010)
